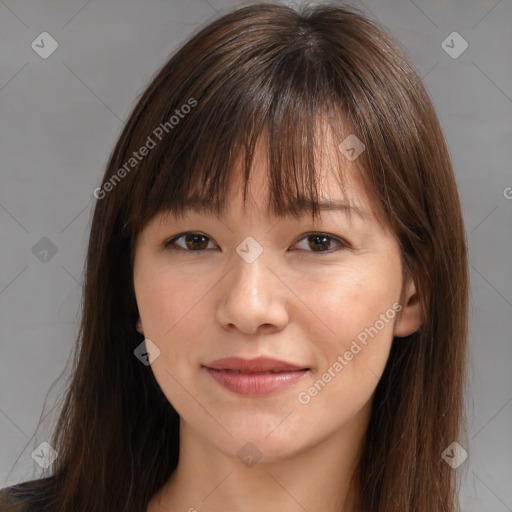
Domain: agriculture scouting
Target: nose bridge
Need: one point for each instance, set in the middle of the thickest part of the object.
(250, 264)
(252, 296)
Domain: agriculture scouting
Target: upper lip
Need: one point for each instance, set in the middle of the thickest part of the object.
(258, 364)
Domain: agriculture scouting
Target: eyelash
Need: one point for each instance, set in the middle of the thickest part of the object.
(342, 243)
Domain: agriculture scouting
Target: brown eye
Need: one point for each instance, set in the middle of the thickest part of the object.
(192, 242)
(321, 242)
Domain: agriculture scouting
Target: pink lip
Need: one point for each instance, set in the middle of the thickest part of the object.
(253, 382)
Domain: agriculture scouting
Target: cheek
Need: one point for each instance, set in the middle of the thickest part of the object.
(352, 345)
(355, 320)
(168, 304)
(173, 306)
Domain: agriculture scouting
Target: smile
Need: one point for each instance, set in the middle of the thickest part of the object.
(254, 377)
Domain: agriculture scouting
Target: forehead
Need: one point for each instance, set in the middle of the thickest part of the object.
(308, 182)
(301, 208)
(337, 185)
(333, 200)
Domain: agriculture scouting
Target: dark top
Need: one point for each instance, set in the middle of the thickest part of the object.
(20, 497)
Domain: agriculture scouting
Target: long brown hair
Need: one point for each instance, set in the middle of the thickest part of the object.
(272, 71)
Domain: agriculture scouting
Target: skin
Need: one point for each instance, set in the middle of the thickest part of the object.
(293, 303)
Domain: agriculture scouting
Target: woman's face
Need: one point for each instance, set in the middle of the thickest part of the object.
(322, 297)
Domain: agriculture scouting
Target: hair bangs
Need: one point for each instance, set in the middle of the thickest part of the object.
(289, 107)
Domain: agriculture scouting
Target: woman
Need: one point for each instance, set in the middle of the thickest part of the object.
(311, 354)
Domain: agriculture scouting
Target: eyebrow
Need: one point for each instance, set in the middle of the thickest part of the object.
(298, 209)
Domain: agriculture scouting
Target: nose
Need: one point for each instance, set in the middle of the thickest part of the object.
(253, 297)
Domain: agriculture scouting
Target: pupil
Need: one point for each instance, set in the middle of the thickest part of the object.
(319, 237)
(194, 241)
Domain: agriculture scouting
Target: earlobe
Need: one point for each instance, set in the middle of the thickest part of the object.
(410, 318)
(138, 326)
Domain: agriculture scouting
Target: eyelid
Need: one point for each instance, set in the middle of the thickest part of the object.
(343, 242)
(170, 245)
(169, 242)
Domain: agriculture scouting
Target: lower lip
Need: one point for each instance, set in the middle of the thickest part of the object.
(255, 384)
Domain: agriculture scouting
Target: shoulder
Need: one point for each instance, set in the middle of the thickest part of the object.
(23, 497)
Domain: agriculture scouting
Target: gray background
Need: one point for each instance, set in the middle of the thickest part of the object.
(61, 116)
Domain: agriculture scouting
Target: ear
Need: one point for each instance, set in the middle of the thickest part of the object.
(138, 326)
(410, 318)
